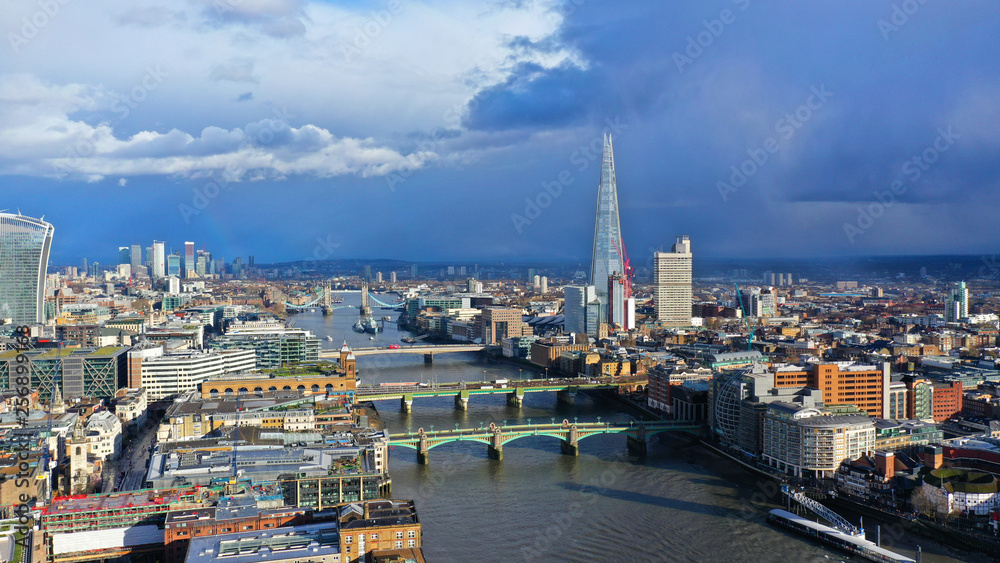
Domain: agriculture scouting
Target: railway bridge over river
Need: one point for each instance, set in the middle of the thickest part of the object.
(569, 433)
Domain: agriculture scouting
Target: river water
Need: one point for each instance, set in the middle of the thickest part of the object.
(679, 503)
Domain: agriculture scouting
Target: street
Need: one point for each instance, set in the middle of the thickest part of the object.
(130, 469)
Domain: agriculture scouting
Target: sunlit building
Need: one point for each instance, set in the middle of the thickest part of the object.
(24, 257)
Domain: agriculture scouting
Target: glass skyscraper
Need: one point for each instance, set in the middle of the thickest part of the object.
(609, 253)
(24, 257)
(174, 265)
(159, 260)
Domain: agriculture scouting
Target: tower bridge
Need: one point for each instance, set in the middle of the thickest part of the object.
(494, 437)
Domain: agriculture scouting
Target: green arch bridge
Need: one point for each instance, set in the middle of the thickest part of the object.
(569, 433)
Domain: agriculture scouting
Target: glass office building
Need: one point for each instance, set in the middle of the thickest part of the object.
(24, 257)
(608, 256)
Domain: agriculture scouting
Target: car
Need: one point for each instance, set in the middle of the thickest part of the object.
(394, 346)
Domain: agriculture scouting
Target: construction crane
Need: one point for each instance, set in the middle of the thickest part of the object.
(746, 319)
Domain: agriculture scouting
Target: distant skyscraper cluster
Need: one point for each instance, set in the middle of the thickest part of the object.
(779, 279)
(157, 264)
(24, 257)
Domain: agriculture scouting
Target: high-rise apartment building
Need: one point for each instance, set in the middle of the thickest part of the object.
(672, 284)
(189, 271)
(609, 251)
(159, 260)
(24, 257)
(957, 303)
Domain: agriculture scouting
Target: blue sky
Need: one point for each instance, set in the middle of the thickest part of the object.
(458, 130)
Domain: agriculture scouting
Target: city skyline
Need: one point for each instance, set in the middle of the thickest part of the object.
(719, 134)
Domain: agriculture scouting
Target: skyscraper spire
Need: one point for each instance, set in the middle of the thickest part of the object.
(609, 252)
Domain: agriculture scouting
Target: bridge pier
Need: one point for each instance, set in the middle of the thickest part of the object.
(406, 403)
(637, 445)
(566, 397)
(429, 358)
(423, 452)
(495, 449)
(570, 446)
(462, 401)
(516, 399)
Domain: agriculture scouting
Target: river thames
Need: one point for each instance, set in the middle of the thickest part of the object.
(679, 503)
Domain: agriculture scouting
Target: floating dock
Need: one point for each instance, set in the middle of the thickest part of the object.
(855, 544)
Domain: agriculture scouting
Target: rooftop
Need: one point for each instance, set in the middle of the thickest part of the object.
(305, 542)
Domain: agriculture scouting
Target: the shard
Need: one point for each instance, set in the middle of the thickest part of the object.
(609, 253)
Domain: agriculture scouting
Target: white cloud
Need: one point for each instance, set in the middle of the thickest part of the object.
(39, 138)
(412, 70)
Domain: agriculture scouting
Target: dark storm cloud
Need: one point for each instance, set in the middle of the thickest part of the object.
(703, 89)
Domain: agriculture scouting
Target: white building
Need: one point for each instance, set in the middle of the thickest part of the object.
(159, 260)
(131, 406)
(167, 374)
(672, 284)
(104, 434)
(961, 491)
(803, 442)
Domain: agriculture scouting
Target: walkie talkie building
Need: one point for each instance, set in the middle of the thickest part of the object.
(24, 257)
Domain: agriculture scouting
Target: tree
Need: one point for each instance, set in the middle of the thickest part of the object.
(923, 501)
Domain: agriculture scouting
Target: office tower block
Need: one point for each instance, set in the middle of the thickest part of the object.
(618, 301)
(609, 252)
(581, 310)
(672, 284)
(24, 258)
(957, 303)
(159, 260)
(189, 263)
(174, 265)
(136, 258)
